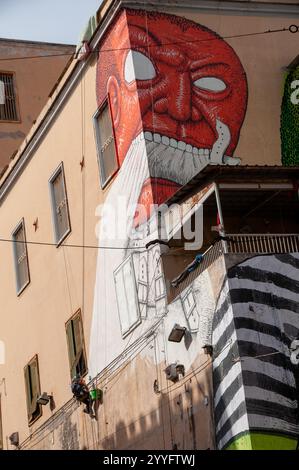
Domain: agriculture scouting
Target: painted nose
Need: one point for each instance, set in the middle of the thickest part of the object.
(179, 97)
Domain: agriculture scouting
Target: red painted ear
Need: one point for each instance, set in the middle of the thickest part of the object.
(114, 98)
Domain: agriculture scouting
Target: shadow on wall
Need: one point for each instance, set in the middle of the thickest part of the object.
(180, 417)
(139, 413)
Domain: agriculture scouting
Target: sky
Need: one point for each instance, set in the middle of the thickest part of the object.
(59, 21)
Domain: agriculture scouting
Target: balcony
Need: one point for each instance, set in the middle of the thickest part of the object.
(254, 208)
(261, 243)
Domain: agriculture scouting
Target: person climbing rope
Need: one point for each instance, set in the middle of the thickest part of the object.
(81, 393)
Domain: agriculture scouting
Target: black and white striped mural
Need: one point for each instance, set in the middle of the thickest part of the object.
(256, 320)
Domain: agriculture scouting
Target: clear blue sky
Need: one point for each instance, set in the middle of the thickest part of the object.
(58, 21)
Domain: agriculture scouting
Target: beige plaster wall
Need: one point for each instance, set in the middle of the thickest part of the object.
(33, 80)
(62, 279)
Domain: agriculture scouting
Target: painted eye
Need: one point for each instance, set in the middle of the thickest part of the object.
(210, 84)
(138, 67)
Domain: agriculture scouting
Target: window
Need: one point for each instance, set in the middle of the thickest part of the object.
(106, 148)
(20, 257)
(8, 107)
(159, 278)
(32, 386)
(60, 208)
(75, 342)
(190, 310)
(142, 280)
(1, 431)
(126, 294)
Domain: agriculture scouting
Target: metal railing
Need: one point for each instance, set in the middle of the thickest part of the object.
(8, 110)
(263, 243)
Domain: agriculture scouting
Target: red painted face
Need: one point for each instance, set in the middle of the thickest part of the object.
(184, 79)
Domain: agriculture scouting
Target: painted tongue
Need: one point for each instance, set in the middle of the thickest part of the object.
(154, 191)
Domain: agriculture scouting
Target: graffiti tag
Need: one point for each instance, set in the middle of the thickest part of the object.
(295, 94)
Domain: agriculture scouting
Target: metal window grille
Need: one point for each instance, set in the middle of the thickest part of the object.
(8, 107)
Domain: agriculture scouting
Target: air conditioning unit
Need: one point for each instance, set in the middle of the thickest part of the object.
(173, 371)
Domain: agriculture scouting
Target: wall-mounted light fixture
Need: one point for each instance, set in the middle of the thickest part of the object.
(44, 399)
(177, 333)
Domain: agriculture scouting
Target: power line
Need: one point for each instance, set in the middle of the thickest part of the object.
(291, 29)
(69, 245)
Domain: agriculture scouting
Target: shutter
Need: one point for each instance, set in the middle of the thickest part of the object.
(79, 344)
(60, 205)
(28, 391)
(107, 150)
(21, 257)
(35, 386)
(71, 347)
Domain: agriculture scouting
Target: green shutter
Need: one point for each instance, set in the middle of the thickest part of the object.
(28, 391)
(79, 343)
(71, 347)
(32, 387)
(75, 340)
(35, 386)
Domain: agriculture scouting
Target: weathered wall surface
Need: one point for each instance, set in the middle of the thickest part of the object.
(64, 279)
(133, 416)
(33, 80)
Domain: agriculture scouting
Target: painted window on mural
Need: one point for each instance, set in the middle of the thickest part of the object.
(32, 386)
(76, 347)
(8, 106)
(107, 156)
(126, 293)
(20, 257)
(159, 278)
(142, 281)
(190, 311)
(60, 210)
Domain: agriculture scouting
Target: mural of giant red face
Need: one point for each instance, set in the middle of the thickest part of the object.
(182, 86)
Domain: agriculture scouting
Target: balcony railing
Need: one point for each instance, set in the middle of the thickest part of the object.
(237, 243)
(263, 243)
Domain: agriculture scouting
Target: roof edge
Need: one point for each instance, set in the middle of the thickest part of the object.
(36, 43)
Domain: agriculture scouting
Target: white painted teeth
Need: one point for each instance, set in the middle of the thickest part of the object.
(158, 138)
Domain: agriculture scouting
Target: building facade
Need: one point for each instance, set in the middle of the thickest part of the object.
(148, 238)
(28, 73)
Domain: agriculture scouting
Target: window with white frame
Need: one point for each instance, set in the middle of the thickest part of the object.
(190, 310)
(126, 294)
(106, 148)
(20, 257)
(60, 210)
